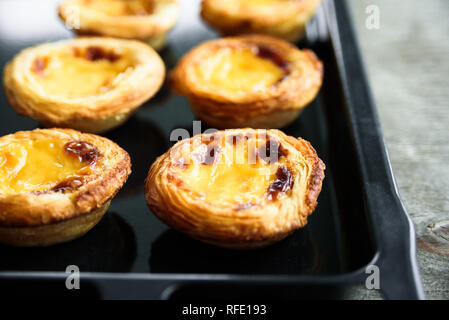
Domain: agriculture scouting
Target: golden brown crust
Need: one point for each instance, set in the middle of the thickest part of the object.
(97, 113)
(274, 107)
(285, 20)
(50, 234)
(26, 209)
(232, 226)
(314, 182)
(151, 28)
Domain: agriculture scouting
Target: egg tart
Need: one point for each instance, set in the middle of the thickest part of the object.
(88, 84)
(145, 20)
(248, 81)
(56, 184)
(238, 189)
(285, 19)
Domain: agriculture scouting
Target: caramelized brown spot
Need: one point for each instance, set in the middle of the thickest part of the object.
(272, 151)
(39, 65)
(84, 151)
(173, 178)
(283, 183)
(179, 183)
(77, 52)
(170, 177)
(266, 52)
(69, 184)
(94, 53)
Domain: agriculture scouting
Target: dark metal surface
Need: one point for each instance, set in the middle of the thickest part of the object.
(359, 220)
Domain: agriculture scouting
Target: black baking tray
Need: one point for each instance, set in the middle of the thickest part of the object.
(359, 221)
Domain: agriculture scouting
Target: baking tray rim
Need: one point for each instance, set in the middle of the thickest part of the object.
(358, 98)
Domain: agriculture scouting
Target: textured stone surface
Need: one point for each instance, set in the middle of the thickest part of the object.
(407, 61)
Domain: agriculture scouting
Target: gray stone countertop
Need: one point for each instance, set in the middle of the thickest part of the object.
(407, 62)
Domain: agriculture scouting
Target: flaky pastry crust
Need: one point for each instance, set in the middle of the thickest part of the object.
(48, 216)
(50, 234)
(97, 112)
(284, 207)
(283, 19)
(274, 106)
(150, 27)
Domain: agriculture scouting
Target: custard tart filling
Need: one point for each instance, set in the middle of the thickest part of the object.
(49, 164)
(56, 184)
(243, 70)
(247, 81)
(238, 189)
(235, 171)
(89, 84)
(77, 72)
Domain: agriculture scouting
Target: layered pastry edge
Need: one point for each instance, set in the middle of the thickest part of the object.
(268, 106)
(239, 226)
(68, 199)
(139, 75)
(150, 24)
(283, 19)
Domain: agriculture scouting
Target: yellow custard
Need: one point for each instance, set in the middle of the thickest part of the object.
(121, 7)
(69, 75)
(232, 175)
(239, 71)
(36, 165)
